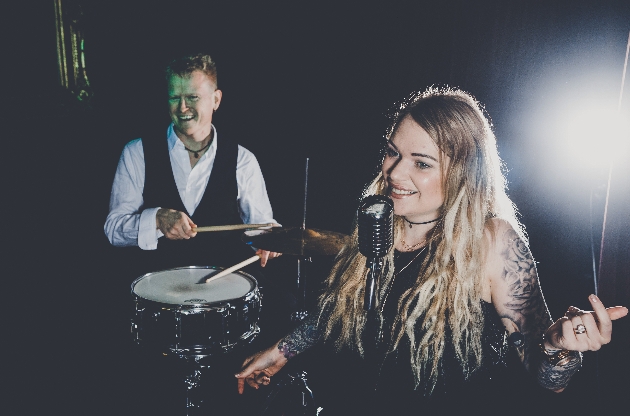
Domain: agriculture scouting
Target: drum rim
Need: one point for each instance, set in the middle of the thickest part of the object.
(206, 305)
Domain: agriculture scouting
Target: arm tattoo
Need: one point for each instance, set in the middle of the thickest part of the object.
(167, 219)
(302, 338)
(526, 305)
(528, 313)
(556, 378)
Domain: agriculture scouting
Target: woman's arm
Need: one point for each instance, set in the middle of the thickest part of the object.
(519, 301)
(258, 368)
(549, 350)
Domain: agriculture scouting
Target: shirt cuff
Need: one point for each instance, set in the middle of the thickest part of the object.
(148, 232)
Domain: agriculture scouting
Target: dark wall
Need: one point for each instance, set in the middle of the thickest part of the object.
(315, 81)
(299, 80)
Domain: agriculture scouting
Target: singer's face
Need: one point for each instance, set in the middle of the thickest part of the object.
(413, 172)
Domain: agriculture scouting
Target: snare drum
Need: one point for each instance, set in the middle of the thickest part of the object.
(176, 312)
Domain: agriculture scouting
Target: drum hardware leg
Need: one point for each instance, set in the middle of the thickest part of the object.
(192, 381)
(303, 404)
(135, 333)
(307, 394)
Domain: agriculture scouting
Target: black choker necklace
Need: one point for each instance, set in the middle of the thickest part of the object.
(411, 224)
(196, 152)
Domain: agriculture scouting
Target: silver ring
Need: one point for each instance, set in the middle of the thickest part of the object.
(580, 329)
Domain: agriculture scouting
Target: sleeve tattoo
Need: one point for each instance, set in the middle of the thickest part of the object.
(527, 312)
(302, 338)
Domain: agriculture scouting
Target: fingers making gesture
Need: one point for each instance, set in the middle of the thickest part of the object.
(580, 330)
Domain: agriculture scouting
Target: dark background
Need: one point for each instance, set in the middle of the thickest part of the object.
(300, 80)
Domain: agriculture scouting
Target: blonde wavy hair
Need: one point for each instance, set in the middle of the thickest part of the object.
(448, 290)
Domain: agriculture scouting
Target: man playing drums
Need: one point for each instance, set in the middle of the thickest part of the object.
(160, 193)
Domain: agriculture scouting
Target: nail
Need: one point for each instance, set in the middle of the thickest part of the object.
(593, 298)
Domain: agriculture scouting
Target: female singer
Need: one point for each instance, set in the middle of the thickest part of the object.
(458, 283)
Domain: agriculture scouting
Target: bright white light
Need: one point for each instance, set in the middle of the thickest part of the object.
(594, 133)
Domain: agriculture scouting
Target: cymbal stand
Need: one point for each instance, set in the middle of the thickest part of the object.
(302, 313)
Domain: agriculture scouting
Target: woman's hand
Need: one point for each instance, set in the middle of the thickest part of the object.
(580, 330)
(258, 368)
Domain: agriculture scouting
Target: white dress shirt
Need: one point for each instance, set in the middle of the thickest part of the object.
(129, 224)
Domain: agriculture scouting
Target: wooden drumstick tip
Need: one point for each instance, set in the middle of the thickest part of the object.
(233, 268)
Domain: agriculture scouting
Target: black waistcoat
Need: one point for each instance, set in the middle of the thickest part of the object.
(218, 206)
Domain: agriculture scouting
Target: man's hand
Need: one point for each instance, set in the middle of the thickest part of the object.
(175, 225)
(265, 255)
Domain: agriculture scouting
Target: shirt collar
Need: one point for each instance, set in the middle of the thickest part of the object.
(173, 140)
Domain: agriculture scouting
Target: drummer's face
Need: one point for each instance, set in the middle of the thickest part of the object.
(192, 100)
(413, 172)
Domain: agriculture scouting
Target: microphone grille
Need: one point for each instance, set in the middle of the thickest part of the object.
(375, 219)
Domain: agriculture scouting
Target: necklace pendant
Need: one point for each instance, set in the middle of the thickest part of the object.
(410, 225)
(196, 155)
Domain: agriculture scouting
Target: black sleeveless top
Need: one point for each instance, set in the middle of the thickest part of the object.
(395, 380)
(385, 384)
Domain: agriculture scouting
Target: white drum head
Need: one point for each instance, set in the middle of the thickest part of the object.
(182, 287)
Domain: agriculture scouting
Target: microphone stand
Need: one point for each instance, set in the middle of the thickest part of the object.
(372, 324)
(375, 265)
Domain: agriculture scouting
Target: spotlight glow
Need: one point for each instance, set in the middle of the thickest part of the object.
(594, 133)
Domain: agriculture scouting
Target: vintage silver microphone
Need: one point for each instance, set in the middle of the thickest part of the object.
(376, 237)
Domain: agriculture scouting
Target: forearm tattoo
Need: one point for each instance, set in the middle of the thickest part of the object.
(528, 314)
(167, 218)
(302, 338)
(526, 307)
(558, 377)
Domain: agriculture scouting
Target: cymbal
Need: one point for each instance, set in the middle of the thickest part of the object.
(297, 241)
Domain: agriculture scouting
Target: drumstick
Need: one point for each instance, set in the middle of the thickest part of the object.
(231, 227)
(231, 269)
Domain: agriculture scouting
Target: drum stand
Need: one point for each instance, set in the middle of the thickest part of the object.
(199, 376)
(194, 370)
(192, 382)
(302, 404)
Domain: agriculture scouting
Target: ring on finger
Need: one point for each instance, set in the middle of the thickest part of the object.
(580, 329)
